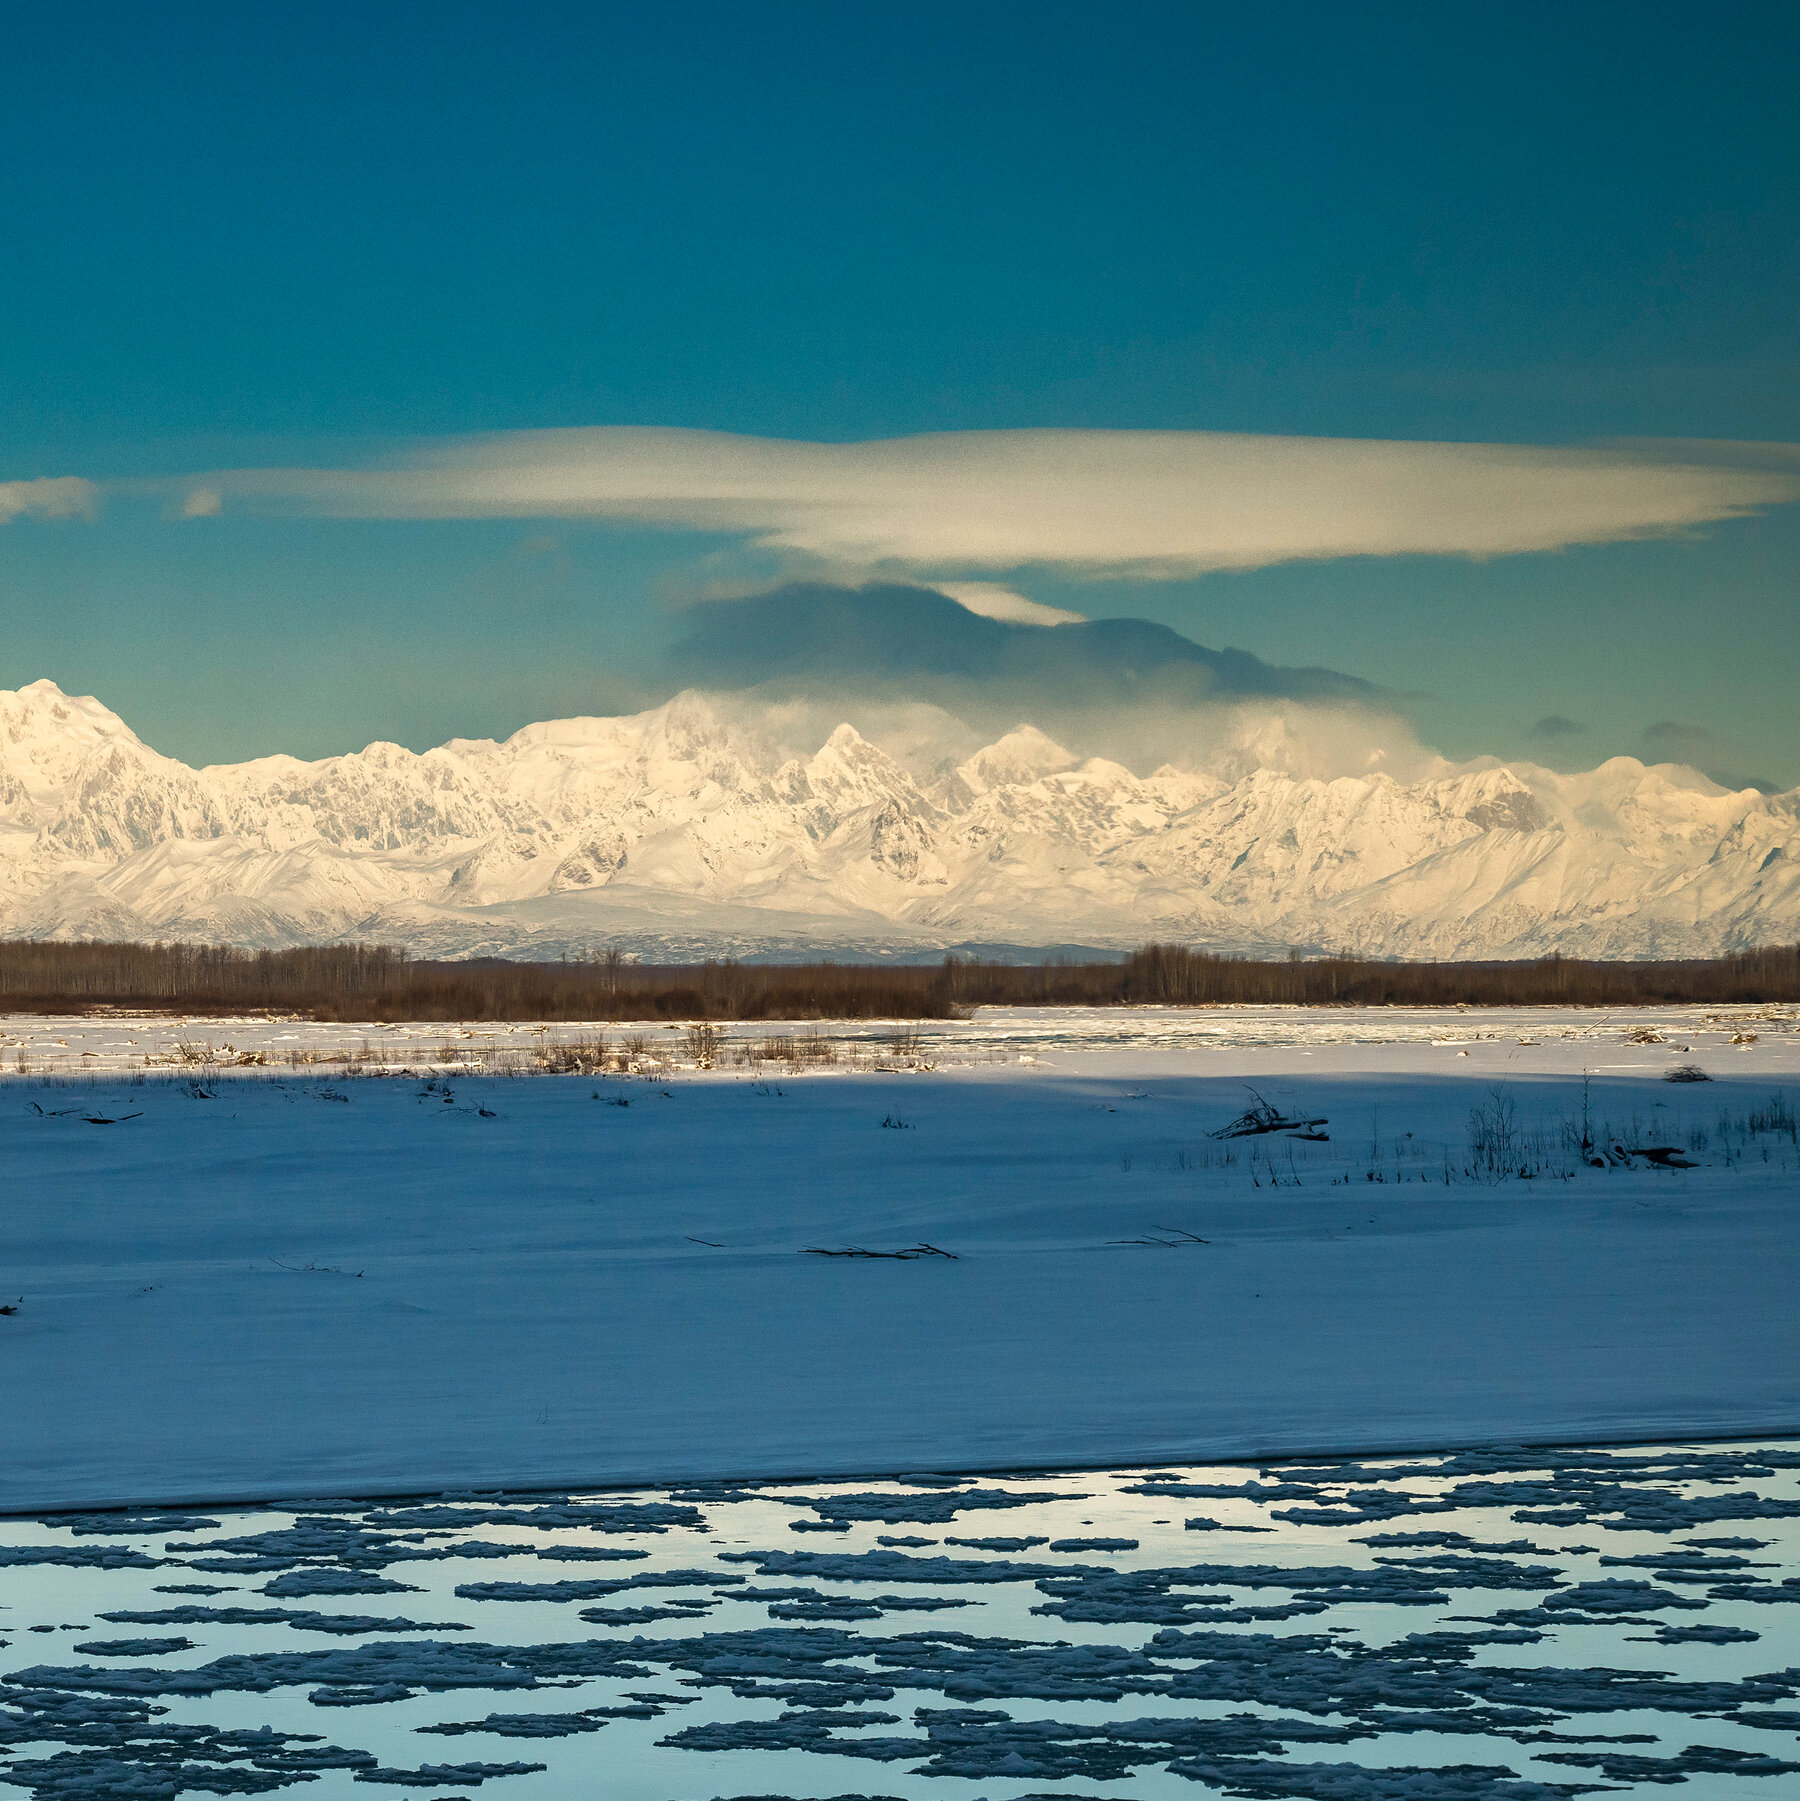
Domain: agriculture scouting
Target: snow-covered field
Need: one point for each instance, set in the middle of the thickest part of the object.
(1746, 1037)
(293, 1279)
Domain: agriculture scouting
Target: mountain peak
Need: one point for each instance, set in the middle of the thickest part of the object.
(852, 771)
(1021, 756)
(41, 710)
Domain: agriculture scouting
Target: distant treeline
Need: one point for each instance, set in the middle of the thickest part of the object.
(376, 982)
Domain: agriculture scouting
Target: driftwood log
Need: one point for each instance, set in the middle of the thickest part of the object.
(1623, 1156)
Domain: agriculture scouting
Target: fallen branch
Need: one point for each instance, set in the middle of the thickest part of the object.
(1264, 1118)
(1661, 1156)
(905, 1256)
(1174, 1242)
(1664, 1156)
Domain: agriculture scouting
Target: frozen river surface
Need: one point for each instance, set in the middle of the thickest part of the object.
(1495, 1625)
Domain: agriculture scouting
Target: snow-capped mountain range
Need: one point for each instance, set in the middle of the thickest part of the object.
(673, 833)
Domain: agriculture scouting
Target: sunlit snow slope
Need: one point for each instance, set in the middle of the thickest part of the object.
(674, 832)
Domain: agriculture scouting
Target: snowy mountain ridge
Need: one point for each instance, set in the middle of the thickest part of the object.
(675, 832)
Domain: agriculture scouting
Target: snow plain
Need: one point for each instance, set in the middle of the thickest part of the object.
(313, 1282)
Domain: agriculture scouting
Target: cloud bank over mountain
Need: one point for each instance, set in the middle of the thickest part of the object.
(1135, 504)
(923, 676)
(1668, 740)
(1000, 521)
(892, 640)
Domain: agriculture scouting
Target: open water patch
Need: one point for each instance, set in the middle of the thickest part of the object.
(1497, 1625)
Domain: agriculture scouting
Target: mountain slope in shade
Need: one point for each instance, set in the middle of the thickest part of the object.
(674, 832)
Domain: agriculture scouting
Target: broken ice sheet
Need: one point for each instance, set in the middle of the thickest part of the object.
(1502, 1624)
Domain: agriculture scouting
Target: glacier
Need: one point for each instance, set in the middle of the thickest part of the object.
(678, 832)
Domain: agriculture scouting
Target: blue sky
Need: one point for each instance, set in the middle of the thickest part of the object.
(254, 238)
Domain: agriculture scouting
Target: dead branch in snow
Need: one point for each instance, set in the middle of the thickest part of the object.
(903, 1256)
(1176, 1239)
(1625, 1156)
(1262, 1117)
(1663, 1156)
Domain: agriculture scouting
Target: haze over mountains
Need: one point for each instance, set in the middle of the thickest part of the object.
(679, 831)
(902, 639)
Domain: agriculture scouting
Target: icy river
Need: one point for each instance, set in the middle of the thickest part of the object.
(1495, 1623)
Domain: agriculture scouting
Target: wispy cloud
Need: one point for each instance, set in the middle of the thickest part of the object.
(994, 601)
(1669, 741)
(55, 497)
(1138, 504)
(1557, 725)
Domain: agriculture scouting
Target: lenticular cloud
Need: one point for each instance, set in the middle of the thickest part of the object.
(1143, 504)
(52, 497)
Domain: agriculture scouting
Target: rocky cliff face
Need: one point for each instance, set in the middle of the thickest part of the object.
(672, 833)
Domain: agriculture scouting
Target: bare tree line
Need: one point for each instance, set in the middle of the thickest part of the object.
(379, 982)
